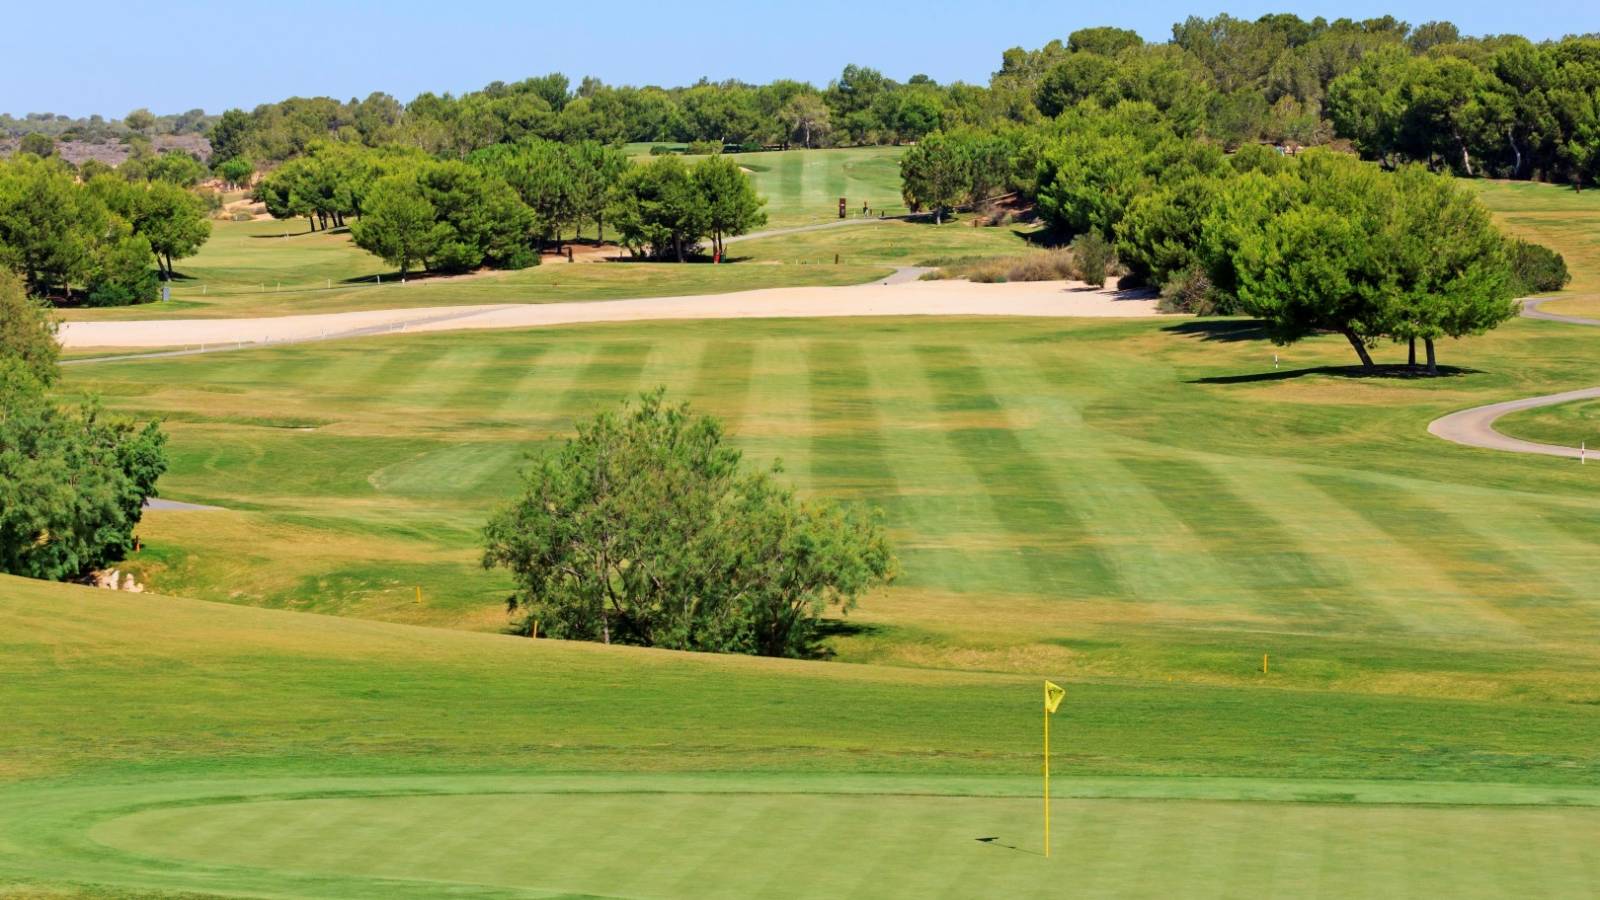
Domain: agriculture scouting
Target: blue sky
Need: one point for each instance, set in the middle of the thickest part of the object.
(109, 57)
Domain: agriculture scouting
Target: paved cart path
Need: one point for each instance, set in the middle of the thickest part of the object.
(1475, 427)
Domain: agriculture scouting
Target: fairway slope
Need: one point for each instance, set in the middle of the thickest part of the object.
(232, 749)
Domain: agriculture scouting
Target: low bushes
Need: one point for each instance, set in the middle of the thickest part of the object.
(1536, 269)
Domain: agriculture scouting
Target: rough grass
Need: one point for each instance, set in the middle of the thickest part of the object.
(1566, 424)
(1041, 265)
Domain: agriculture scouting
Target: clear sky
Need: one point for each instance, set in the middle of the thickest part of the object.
(109, 56)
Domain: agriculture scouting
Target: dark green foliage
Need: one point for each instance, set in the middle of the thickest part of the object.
(27, 331)
(732, 205)
(1332, 244)
(235, 172)
(448, 215)
(1092, 258)
(171, 220)
(1189, 291)
(176, 168)
(40, 145)
(72, 484)
(1535, 268)
(665, 208)
(1094, 164)
(83, 243)
(644, 529)
(959, 167)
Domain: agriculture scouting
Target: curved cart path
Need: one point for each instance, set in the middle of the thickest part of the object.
(901, 294)
(1475, 427)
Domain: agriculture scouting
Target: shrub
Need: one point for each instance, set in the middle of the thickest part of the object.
(645, 528)
(1093, 256)
(1189, 291)
(1536, 269)
(1045, 265)
(704, 148)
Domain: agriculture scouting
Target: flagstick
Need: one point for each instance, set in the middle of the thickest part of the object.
(1047, 782)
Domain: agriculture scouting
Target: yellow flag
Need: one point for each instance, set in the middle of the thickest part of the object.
(1052, 696)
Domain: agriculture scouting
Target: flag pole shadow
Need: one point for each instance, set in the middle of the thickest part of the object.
(995, 842)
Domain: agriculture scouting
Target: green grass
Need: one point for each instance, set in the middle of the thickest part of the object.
(278, 268)
(1071, 493)
(223, 283)
(1563, 220)
(1566, 424)
(893, 243)
(804, 186)
(262, 752)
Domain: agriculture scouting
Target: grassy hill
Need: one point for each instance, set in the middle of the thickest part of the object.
(160, 744)
(1133, 498)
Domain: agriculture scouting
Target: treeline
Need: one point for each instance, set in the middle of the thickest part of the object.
(1316, 242)
(99, 129)
(1501, 107)
(504, 204)
(862, 106)
(73, 482)
(97, 237)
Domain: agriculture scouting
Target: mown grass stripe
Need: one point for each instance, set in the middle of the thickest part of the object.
(1049, 534)
(609, 377)
(1155, 556)
(722, 380)
(493, 376)
(945, 526)
(847, 443)
(1483, 566)
(1397, 589)
(1287, 579)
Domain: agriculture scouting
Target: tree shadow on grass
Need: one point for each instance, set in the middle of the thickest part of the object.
(1401, 372)
(832, 628)
(1226, 330)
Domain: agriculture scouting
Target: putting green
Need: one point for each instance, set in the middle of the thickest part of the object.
(711, 837)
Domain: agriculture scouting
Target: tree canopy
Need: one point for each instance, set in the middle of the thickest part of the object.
(72, 482)
(645, 528)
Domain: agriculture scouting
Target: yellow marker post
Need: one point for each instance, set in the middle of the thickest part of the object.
(419, 593)
(1263, 663)
(1052, 699)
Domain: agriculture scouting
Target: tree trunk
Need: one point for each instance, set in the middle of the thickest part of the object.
(1516, 169)
(1411, 357)
(1466, 160)
(1361, 349)
(1433, 365)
